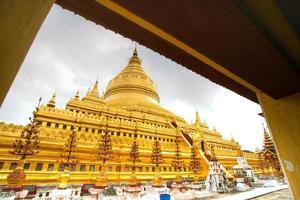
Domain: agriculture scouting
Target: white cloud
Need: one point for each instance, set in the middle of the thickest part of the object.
(182, 109)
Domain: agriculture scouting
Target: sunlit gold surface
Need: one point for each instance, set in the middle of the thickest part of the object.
(16, 178)
(64, 179)
(130, 105)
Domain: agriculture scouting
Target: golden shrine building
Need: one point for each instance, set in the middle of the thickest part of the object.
(129, 109)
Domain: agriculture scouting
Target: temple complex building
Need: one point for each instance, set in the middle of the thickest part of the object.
(129, 110)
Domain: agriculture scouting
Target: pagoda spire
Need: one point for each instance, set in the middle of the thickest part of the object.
(214, 128)
(135, 57)
(213, 156)
(77, 95)
(52, 101)
(232, 138)
(240, 152)
(268, 143)
(241, 160)
(88, 91)
(195, 162)
(95, 92)
(197, 120)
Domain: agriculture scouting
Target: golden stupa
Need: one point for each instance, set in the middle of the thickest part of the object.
(129, 110)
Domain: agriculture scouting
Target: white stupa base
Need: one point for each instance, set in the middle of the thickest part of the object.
(202, 194)
(177, 195)
(95, 191)
(8, 195)
(111, 197)
(154, 193)
(241, 187)
(270, 183)
(61, 194)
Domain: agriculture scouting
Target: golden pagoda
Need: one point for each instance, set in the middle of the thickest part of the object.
(269, 158)
(128, 111)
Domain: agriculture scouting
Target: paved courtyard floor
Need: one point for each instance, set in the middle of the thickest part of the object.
(258, 192)
(277, 195)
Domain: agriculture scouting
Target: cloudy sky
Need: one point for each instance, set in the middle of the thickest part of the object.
(69, 53)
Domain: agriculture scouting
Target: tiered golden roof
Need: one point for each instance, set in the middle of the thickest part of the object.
(268, 143)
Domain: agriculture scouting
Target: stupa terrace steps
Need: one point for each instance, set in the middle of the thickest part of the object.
(220, 140)
(68, 113)
(139, 113)
(49, 137)
(89, 137)
(101, 120)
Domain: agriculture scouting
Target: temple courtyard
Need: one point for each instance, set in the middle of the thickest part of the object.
(280, 194)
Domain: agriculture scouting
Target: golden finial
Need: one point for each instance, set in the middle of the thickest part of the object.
(95, 91)
(135, 58)
(240, 152)
(264, 127)
(77, 95)
(52, 101)
(232, 139)
(39, 103)
(135, 53)
(197, 120)
(88, 91)
(136, 129)
(213, 156)
(214, 128)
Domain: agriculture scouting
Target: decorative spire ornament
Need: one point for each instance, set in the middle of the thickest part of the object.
(213, 156)
(269, 157)
(28, 142)
(177, 162)
(268, 142)
(77, 95)
(88, 91)
(52, 101)
(104, 148)
(195, 163)
(135, 57)
(25, 146)
(68, 156)
(197, 118)
(157, 159)
(134, 157)
(95, 91)
(104, 153)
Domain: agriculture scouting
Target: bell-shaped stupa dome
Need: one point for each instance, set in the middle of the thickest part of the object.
(133, 90)
(132, 84)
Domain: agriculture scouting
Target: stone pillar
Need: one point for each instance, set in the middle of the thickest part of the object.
(283, 118)
(19, 21)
